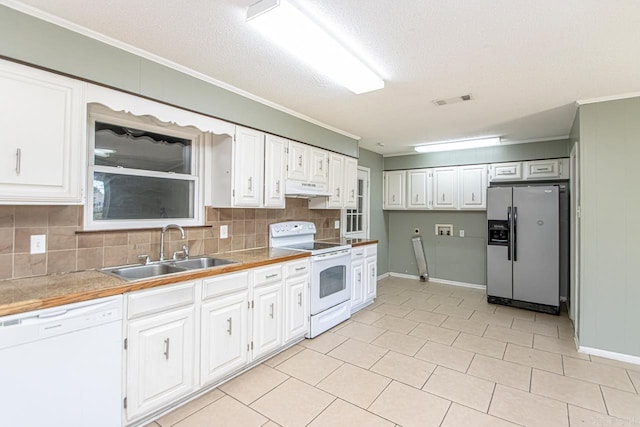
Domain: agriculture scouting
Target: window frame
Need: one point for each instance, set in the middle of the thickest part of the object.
(366, 214)
(97, 112)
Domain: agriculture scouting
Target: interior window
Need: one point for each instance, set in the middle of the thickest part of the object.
(142, 172)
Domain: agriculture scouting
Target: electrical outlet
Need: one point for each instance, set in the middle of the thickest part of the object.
(224, 231)
(461, 232)
(336, 225)
(38, 243)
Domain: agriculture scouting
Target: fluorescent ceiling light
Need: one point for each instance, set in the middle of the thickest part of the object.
(303, 38)
(457, 145)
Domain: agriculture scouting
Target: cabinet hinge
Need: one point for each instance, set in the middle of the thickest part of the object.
(249, 304)
(251, 345)
(125, 403)
(247, 347)
(233, 193)
(126, 342)
(252, 306)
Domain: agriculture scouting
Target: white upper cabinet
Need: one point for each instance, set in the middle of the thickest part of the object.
(319, 166)
(394, 190)
(42, 155)
(420, 189)
(505, 171)
(298, 161)
(445, 188)
(336, 181)
(546, 169)
(275, 162)
(248, 157)
(235, 169)
(350, 183)
(473, 187)
(307, 163)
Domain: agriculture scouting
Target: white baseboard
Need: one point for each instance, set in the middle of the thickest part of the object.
(443, 281)
(383, 276)
(610, 355)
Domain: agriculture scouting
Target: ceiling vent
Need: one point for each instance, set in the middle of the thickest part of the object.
(454, 100)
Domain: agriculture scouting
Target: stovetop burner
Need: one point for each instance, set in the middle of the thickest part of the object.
(299, 235)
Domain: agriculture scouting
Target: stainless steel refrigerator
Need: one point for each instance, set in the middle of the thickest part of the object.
(523, 246)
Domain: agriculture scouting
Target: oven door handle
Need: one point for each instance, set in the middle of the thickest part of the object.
(332, 255)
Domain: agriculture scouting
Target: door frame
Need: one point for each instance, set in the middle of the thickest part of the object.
(574, 282)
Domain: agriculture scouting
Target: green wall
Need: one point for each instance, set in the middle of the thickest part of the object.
(28, 39)
(459, 259)
(503, 153)
(609, 303)
(378, 222)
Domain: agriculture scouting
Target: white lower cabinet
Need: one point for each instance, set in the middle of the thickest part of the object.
(185, 337)
(363, 276)
(267, 319)
(160, 349)
(224, 326)
(296, 304)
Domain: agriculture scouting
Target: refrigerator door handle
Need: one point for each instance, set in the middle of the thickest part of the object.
(509, 239)
(515, 233)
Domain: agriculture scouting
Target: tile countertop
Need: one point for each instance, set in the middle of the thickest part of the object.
(34, 293)
(353, 242)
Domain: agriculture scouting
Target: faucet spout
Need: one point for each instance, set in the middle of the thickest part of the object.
(164, 229)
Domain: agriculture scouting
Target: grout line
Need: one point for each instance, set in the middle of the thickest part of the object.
(606, 407)
(493, 392)
(446, 413)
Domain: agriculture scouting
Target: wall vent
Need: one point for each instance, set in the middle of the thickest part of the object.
(454, 100)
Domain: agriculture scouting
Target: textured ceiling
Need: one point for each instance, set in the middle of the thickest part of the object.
(525, 63)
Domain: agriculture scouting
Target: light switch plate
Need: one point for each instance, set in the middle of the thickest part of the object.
(461, 232)
(224, 231)
(38, 243)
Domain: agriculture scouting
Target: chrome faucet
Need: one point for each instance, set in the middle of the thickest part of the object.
(165, 228)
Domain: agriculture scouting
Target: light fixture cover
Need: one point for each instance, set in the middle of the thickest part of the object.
(303, 38)
(457, 145)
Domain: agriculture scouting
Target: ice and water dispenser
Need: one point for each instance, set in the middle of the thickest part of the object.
(498, 233)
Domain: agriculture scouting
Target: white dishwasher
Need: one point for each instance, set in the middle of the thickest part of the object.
(62, 366)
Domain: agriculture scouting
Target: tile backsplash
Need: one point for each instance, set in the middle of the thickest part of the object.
(69, 250)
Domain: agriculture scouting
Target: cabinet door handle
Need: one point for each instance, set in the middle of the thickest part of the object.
(300, 299)
(338, 192)
(373, 272)
(393, 197)
(271, 276)
(229, 322)
(18, 160)
(359, 276)
(278, 186)
(321, 162)
(353, 195)
(166, 349)
(271, 312)
(250, 183)
(416, 198)
(473, 197)
(300, 160)
(443, 197)
(301, 268)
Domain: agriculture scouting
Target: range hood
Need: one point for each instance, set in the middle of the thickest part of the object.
(303, 189)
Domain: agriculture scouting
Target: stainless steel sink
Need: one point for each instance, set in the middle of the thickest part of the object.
(137, 272)
(145, 271)
(203, 262)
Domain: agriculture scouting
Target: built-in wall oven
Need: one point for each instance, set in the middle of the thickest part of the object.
(330, 281)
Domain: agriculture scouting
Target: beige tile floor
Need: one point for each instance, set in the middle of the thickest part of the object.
(428, 355)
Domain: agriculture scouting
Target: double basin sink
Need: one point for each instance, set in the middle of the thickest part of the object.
(155, 269)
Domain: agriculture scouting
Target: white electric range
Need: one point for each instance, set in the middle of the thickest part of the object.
(330, 281)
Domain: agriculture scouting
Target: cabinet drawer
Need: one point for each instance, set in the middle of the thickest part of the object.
(224, 284)
(266, 275)
(506, 171)
(163, 298)
(359, 252)
(297, 268)
(372, 250)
